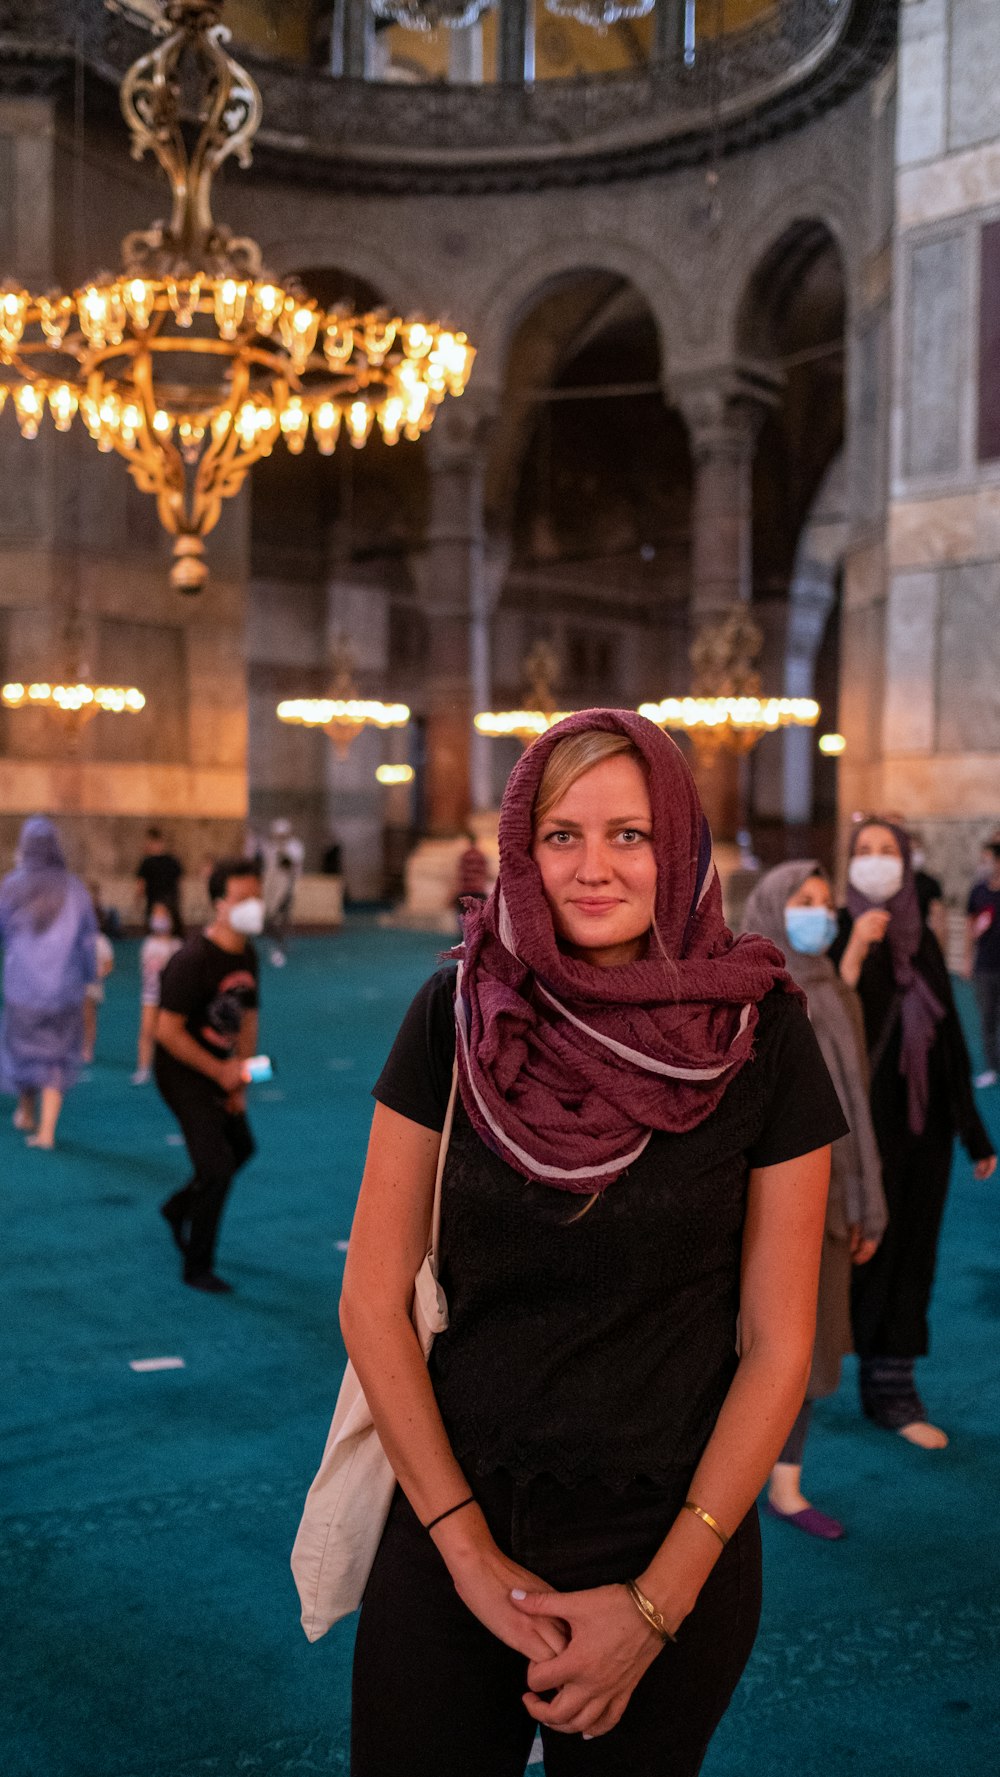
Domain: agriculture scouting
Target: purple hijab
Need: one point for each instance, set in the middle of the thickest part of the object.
(920, 1010)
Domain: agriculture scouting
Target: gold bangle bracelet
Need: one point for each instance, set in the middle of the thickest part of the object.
(706, 1518)
(648, 1611)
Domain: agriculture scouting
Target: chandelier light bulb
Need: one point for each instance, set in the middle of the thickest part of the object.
(230, 307)
(359, 423)
(268, 304)
(295, 425)
(63, 404)
(13, 314)
(139, 298)
(55, 314)
(29, 407)
(326, 427)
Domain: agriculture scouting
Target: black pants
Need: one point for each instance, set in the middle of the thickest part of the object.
(218, 1144)
(436, 1695)
(890, 1296)
(987, 985)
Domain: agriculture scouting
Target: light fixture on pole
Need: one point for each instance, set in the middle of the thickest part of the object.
(726, 712)
(191, 361)
(344, 714)
(540, 670)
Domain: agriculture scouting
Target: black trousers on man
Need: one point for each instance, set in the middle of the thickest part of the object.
(218, 1142)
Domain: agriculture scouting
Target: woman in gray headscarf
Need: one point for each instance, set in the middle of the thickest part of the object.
(793, 906)
(48, 930)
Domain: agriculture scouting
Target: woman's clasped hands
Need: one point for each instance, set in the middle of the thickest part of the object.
(608, 1648)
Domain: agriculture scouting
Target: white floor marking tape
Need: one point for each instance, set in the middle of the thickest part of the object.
(340, 1063)
(174, 1140)
(143, 1364)
(536, 1754)
(341, 1246)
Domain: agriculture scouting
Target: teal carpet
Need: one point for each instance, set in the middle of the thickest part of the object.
(147, 1616)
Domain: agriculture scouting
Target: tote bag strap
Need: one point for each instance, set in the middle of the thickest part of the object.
(449, 1118)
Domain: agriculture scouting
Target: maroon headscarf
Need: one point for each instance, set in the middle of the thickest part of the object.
(566, 1069)
(920, 1010)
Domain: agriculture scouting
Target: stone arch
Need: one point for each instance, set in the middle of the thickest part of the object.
(403, 291)
(763, 238)
(523, 285)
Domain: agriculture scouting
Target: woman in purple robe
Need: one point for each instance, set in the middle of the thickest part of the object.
(48, 931)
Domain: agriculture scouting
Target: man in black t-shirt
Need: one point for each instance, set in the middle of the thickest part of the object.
(158, 877)
(983, 930)
(206, 1031)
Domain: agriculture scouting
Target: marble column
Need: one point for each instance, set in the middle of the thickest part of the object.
(724, 408)
(353, 39)
(455, 592)
(516, 42)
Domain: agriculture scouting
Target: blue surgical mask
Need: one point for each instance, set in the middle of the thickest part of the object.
(810, 930)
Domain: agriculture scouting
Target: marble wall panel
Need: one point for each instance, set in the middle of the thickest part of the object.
(921, 93)
(974, 72)
(936, 357)
(969, 681)
(868, 394)
(908, 722)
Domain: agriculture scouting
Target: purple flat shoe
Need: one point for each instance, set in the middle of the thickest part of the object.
(813, 1522)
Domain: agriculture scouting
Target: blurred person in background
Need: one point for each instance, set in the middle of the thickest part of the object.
(206, 1030)
(159, 875)
(163, 940)
(793, 906)
(473, 872)
(48, 930)
(921, 1097)
(982, 961)
(284, 858)
(105, 961)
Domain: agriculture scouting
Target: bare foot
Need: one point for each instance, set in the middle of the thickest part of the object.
(928, 1437)
(40, 1141)
(24, 1121)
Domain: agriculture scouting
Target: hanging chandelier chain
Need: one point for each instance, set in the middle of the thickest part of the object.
(229, 114)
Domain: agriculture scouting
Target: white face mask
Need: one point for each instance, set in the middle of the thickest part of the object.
(247, 917)
(877, 878)
(161, 922)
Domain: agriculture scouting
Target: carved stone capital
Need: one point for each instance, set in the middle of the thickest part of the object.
(725, 406)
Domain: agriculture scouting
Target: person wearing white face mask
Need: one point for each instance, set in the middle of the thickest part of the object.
(921, 1097)
(206, 1030)
(793, 906)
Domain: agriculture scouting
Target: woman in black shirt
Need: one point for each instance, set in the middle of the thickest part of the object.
(573, 1542)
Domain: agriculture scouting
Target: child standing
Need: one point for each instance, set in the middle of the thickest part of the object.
(163, 939)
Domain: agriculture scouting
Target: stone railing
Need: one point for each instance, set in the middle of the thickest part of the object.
(797, 58)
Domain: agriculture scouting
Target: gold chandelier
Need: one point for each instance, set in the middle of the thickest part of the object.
(191, 362)
(540, 670)
(736, 723)
(344, 714)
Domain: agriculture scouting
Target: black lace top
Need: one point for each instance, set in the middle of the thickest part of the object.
(601, 1347)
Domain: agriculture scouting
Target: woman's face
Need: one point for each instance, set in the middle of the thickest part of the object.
(813, 893)
(595, 853)
(877, 842)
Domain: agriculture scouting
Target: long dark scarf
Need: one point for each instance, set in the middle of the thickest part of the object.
(920, 1011)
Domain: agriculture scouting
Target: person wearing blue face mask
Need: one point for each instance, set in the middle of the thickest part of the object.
(206, 1030)
(793, 906)
(921, 1098)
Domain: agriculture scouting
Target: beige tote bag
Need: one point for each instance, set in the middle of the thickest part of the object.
(348, 1503)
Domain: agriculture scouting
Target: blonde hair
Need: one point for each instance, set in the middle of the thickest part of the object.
(572, 757)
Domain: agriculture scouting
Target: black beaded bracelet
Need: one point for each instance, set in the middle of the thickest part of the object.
(442, 1515)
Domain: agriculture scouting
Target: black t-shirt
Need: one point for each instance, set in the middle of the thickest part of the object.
(212, 989)
(984, 908)
(928, 890)
(601, 1346)
(160, 874)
